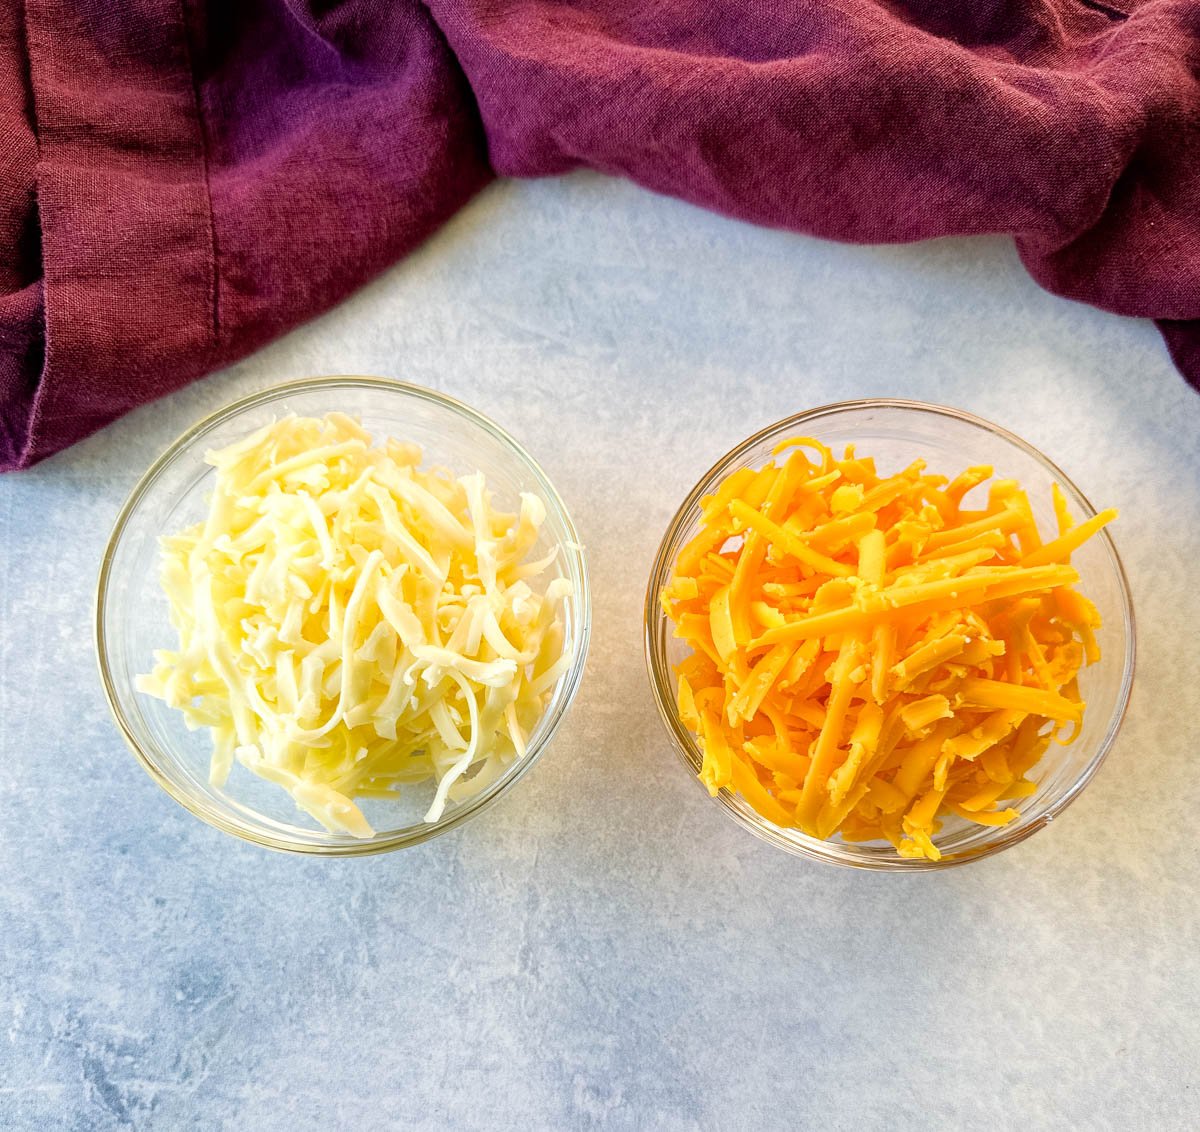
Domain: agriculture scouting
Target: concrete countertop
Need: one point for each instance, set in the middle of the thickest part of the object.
(604, 948)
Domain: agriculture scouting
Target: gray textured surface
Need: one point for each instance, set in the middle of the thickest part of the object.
(605, 948)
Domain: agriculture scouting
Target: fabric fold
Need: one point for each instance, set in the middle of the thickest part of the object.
(207, 176)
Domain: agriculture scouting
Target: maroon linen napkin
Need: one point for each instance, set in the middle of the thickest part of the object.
(181, 180)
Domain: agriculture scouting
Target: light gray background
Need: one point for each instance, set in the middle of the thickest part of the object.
(604, 948)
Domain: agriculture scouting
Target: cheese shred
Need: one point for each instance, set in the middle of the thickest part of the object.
(869, 656)
(351, 626)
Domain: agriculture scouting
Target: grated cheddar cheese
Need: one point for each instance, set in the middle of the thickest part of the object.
(869, 656)
(350, 624)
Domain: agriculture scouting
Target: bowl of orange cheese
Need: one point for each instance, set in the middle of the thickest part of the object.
(890, 635)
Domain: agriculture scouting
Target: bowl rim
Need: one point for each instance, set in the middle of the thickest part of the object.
(411, 835)
(655, 626)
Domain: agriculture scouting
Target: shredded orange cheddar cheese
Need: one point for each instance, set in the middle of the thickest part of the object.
(869, 656)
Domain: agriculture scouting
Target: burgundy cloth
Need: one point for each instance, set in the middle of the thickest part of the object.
(181, 180)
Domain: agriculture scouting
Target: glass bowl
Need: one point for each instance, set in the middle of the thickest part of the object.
(896, 433)
(131, 609)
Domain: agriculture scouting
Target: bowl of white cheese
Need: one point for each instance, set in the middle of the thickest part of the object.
(341, 616)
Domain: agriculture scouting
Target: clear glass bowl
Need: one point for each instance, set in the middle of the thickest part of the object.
(896, 433)
(131, 610)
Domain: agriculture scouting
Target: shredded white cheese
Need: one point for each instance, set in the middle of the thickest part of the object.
(350, 624)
